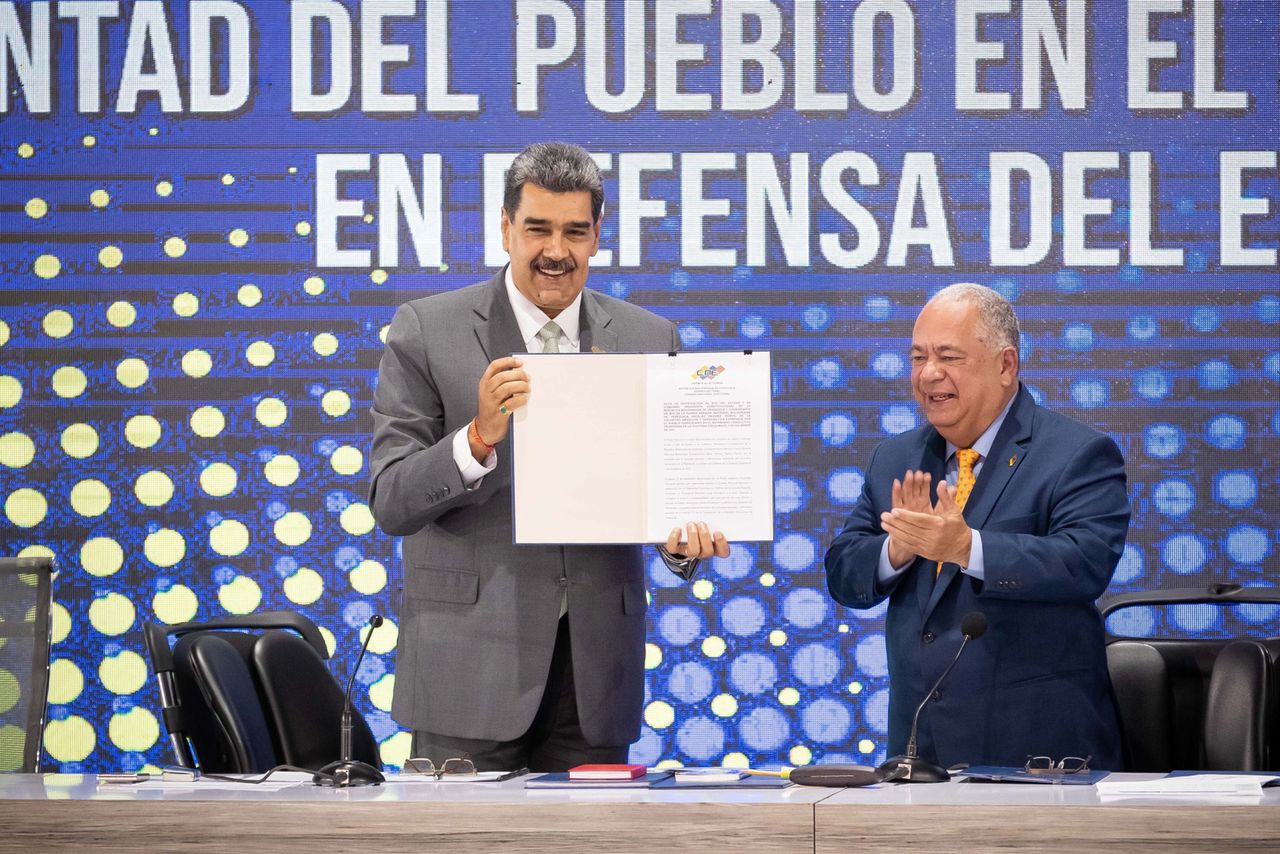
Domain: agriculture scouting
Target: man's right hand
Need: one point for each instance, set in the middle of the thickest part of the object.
(910, 493)
(503, 389)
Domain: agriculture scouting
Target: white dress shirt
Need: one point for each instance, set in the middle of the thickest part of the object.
(531, 319)
(886, 571)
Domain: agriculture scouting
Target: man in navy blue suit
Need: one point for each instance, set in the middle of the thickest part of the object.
(999, 506)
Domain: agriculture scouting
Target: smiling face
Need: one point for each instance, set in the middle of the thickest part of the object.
(550, 241)
(958, 379)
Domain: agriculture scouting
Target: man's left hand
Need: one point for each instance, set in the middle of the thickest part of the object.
(940, 534)
(701, 542)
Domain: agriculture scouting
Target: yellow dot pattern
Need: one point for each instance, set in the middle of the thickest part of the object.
(112, 614)
(347, 460)
(304, 587)
(185, 304)
(57, 324)
(271, 412)
(165, 547)
(111, 257)
(66, 682)
(249, 295)
(260, 354)
(143, 431)
(336, 403)
(47, 266)
(380, 693)
(368, 577)
(281, 470)
(90, 497)
(10, 392)
(25, 507)
(229, 538)
(101, 557)
(120, 314)
(69, 740)
(724, 705)
(69, 381)
(659, 714)
(123, 673)
(132, 373)
(241, 595)
(178, 604)
(208, 421)
(197, 363)
(293, 529)
(218, 480)
(153, 488)
(135, 730)
(16, 450)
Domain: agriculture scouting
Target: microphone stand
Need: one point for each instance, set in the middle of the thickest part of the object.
(911, 768)
(347, 772)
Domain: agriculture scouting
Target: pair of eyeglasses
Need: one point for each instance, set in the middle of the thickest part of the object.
(460, 766)
(1066, 765)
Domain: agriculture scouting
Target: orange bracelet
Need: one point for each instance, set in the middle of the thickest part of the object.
(473, 432)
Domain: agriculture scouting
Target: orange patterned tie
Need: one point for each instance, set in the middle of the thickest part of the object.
(966, 457)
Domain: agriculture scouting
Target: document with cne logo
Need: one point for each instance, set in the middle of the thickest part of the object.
(624, 447)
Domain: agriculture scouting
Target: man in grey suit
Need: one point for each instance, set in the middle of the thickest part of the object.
(519, 656)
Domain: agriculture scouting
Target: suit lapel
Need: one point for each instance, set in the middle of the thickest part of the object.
(1007, 453)
(595, 331)
(496, 327)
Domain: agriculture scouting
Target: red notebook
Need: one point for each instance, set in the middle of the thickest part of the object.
(606, 772)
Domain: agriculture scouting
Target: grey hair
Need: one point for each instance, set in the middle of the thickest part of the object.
(998, 324)
(556, 166)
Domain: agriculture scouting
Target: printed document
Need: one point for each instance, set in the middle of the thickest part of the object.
(621, 448)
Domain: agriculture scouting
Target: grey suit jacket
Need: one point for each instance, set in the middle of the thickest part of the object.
(479, 615)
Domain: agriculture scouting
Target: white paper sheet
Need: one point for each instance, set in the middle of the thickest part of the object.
(621, 448)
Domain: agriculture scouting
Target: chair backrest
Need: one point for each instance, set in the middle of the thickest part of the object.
(247, 701)
(26, 597)
(1196, 703)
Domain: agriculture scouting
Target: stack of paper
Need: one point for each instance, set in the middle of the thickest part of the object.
(1191, 783)
(699, 776)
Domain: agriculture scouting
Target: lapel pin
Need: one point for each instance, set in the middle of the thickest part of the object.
(1013, 460)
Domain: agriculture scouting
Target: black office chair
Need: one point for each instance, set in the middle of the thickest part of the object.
(247, 701)
(1197, 703)
(26, 597)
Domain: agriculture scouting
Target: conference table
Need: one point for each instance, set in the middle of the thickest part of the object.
(78, 812)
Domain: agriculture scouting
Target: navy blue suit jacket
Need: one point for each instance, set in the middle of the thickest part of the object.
(1053, 510)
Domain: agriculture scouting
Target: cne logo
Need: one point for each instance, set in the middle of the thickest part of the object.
(709, 372)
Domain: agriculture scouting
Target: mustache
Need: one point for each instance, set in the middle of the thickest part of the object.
(550, 265)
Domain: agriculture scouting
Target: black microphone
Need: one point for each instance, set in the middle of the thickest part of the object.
(346, 771)
(911, 768)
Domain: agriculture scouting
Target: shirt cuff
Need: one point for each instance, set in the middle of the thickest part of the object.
(472, 472)
(886, 571)
(976, 568)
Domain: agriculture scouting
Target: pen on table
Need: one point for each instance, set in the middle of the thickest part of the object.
(511, 775)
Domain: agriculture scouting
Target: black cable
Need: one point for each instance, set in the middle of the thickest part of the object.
(229, 779)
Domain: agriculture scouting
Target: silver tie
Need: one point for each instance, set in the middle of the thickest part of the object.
(549, 335)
